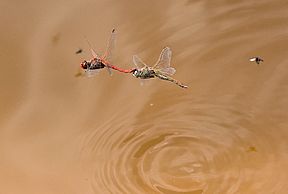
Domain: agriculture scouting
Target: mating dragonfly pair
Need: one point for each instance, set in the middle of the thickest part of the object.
(161, 69)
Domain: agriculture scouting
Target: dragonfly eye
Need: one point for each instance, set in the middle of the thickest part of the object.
(84, 64)
(135, 72)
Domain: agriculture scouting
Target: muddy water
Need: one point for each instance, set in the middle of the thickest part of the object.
(227, 133)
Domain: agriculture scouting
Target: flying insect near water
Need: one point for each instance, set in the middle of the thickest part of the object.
(256, 59)
(93, 65)
(161, 69)
(79, 51)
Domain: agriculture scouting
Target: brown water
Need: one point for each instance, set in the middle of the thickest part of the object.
(227, 133)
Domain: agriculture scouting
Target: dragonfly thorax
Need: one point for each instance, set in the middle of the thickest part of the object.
(92, 64)
(144, 73)
(96, 64)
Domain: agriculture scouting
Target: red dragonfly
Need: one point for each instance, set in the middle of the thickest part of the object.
(93, 65)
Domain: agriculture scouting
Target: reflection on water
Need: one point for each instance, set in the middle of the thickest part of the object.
(63, 133)
(204, 149)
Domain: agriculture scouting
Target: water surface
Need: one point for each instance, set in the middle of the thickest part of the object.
(226, 133)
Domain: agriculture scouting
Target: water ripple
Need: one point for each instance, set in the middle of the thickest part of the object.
(212, 150)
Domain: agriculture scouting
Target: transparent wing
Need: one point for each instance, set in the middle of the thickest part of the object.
(138, 62)
(167, 70)
(108, 55)
(109, 70)
(91, 73)
(163, 63)
(94, 54)
(164, 58)
(143, 82)
(110, 46)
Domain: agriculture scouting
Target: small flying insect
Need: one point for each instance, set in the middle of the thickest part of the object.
(161, 69)
(256, 59)
(79, 51)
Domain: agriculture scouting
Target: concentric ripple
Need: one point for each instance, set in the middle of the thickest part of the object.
(201, 151)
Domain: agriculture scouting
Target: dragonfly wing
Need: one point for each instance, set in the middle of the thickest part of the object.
(164, 58)
(109, 50)
(163, 63)
(143, 82)
(109, 70)
(168, 70)
(110, 46)
(138, 62)
(91, 73)
(94, 54)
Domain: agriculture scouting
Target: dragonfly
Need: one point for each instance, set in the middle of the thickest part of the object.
(92, 66)
(161, 69)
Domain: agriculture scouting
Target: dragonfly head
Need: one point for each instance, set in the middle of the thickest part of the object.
(135, 72)
(84, 64)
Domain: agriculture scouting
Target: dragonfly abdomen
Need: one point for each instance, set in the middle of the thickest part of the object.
(167, 78)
